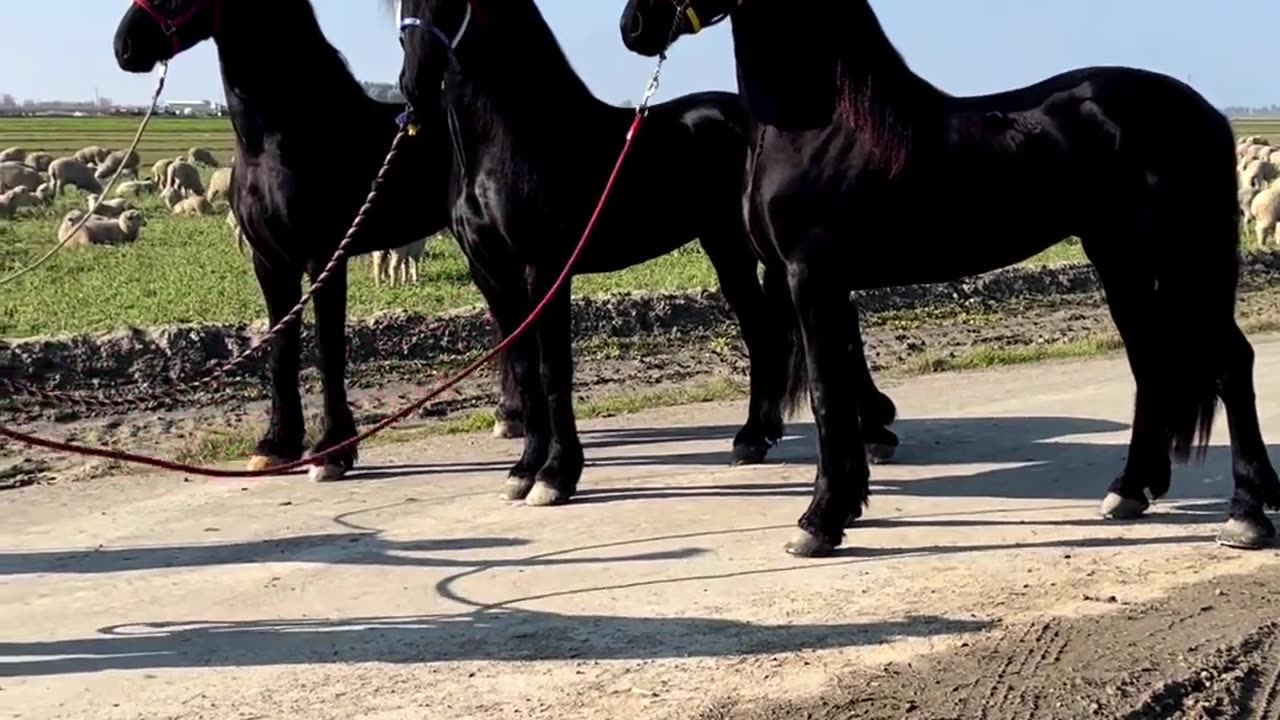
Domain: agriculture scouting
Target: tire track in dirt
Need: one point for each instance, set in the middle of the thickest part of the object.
(1210, 650)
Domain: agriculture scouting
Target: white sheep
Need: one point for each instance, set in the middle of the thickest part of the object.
(45, 192)
(40, 161)
(219, 186)
(101, 231)
(21, 197)
(113, 208)
(13, 154)
(92, 155)
(172, 196)
(398, 265)
(185, 176)
(1265, 210)
(120, 160)
(135, 188)
(193, 206)
(16, 174)
(66, 171)
(201, 156)
(160, 172)
(1258, 174)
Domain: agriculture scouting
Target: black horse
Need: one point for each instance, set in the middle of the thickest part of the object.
(299, 178)
(846, 136)
(533, 150)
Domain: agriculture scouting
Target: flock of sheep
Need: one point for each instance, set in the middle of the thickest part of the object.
(1259, 166)
(36, 179)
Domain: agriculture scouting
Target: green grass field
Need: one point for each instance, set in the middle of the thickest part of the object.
(187, 270)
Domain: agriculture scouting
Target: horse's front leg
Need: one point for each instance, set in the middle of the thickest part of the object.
(557, 479)
(331, 340)
(282, 441)
(842, 482)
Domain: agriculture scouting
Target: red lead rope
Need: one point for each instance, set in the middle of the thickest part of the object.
(388, 422)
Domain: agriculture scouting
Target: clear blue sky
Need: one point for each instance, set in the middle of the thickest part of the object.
(1229, 49)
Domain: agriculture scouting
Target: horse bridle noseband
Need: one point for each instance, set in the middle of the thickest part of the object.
(172, 25)
(452, 43)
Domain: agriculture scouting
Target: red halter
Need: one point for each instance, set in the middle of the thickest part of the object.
(171, 26)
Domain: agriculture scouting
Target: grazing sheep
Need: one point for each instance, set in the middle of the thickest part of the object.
(185, 176)
(219, 186)
(109, 208)
(40, 161)
(92, 155)
(101, 231)
(121, 160)
(171, 196)
(45, 192)
(1274, 158)
(135, 188)
(399, 265)
(160, 172)
(193, 206)
(67, 171)
(1265, 210)
(16, 174)
(200, 156)
(13, 154)
(21, 197)
(1258, 174)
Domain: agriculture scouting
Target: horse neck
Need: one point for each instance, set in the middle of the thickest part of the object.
(516, 75)
(282, 75)
(833, 60)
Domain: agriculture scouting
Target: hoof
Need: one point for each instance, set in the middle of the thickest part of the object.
(878, 453)
(508, 429)
(808, 545)
(544, 495)
(1245, 534)
(326, 473)
(258, 463)
(749, 454)
(516, 489)
(1115, 507)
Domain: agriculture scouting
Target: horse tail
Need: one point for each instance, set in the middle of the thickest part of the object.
(1196, 294)
(795, 386)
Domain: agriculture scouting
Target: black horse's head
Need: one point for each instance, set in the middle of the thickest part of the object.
(650, 26)
(155, 30)
(430, 32)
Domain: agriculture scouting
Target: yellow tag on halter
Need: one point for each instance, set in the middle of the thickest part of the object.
(694, 22)
(411, 129)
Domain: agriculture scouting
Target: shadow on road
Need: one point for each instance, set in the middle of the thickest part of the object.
(503, 635)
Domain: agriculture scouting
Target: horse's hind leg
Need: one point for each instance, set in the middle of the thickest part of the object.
(286, 430)
(1256, 485)
(1131, 295)
(877, 410)
(763, 332)
(508, 420)
(331, 340)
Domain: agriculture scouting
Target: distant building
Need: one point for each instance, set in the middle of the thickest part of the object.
(195, 107)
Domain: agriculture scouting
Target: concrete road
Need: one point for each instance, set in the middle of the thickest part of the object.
(412, 591)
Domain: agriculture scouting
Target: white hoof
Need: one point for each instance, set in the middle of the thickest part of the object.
(326, 473)
(508, 429)
(543, 495)
(258, 463)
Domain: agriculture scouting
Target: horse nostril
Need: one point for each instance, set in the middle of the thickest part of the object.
(635, 25)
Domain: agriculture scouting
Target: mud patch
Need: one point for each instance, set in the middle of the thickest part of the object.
(1210, 650)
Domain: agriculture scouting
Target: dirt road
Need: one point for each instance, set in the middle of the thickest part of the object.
(981, 583)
